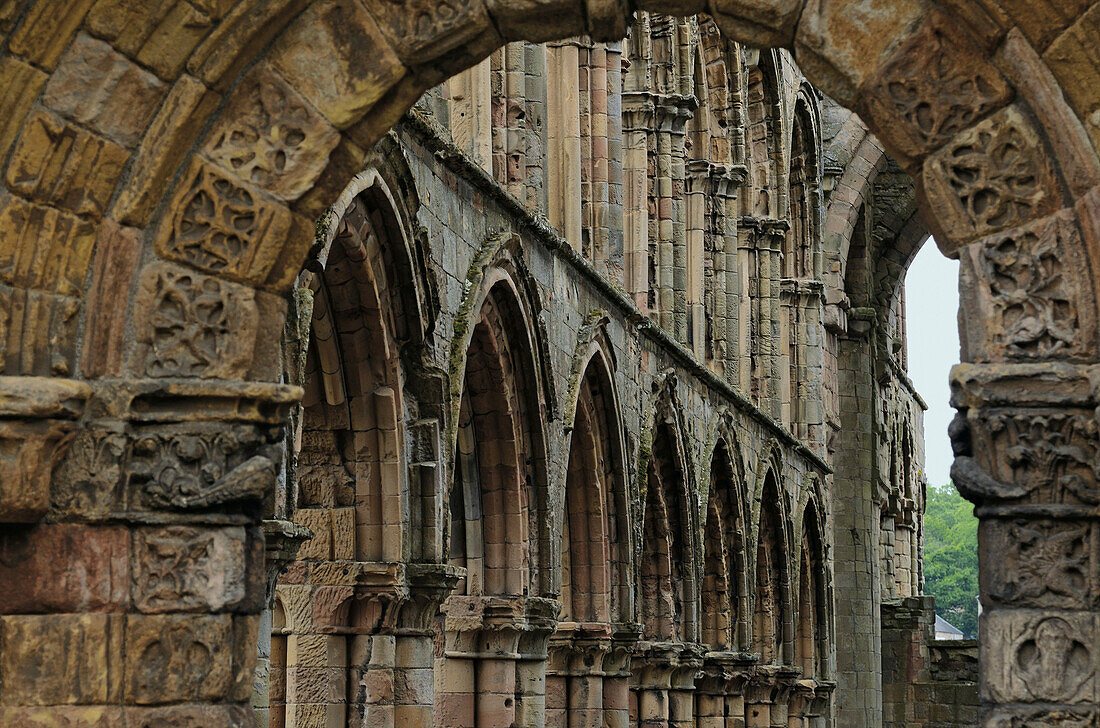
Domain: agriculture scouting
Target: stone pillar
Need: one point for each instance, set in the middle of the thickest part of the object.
(617, 677)
(728, 296)
(673, 114)
(760, 695)
(564, 139)
(637, 121)
(855, 523)
(682, 695)
(697, 189)
(131, 548)
(493, 671)
(1026, 454)
(652, 669)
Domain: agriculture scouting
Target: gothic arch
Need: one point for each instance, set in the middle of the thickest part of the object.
(772, 619)
(596, 534)
(725, 587)
(764, 122)
(349, 69)
(666, 584)
(813, 632)
(499, 488)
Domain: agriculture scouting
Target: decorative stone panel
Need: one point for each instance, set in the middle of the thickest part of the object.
(191, 325)
(1032, 657)
(1030, 296)
(222, 227)
(270, 137)
(1043, 563)
(995, 176)
(935, 86)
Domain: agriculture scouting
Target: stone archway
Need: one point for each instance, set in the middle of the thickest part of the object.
(111, 257)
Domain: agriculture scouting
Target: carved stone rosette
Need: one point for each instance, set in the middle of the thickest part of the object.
(1027, 448)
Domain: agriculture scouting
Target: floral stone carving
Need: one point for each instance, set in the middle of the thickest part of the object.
(191, 325)
(223, 227)
(271, 137)
(936, 85)
(992, 177)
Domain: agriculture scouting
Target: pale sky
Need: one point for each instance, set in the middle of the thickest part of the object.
(932, 306)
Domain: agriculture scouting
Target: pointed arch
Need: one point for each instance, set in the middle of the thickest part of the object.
(772, 622)
(596, 542)
(667, 583)
(499, 474)
(764, 121)
(725, 588)
(813, 628)
(367, 299)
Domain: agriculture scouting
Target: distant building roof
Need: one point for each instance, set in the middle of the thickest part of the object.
(943, 627)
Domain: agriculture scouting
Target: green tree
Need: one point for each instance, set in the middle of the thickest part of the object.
(951, 557)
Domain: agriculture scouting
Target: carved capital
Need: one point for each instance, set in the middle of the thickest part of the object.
(36, 433)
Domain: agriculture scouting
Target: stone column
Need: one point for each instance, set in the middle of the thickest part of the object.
(617, 677)
(1027, 454)
(652, 668)
(141, 556)
(760, 695)
(728, 294)
(564, 139)
(672, 117)
(697, 189)
(855, 522)
(637, 122)
(682, 694)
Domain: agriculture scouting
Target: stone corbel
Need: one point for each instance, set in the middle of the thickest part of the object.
(37, 421)
(1026, 436)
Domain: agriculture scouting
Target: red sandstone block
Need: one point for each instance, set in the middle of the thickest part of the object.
(64, 568)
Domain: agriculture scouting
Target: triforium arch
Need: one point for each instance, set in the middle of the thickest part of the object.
(588, 670)
(495, 626)
(348, 70)
(665, 663)
(772, 618)
(725, 587)
(359, 325)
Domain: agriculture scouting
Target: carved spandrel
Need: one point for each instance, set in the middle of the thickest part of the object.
(1032, 657)
(936, 85)
(1040, 456)
(1029, 295)
(271, 137)
(191, 325)
(1039, 563)
(992, 177)
(222, 226)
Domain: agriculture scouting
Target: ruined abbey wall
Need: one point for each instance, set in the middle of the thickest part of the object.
(167, 170)
(678, 403)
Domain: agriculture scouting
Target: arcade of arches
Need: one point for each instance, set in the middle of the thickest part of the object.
(480, 364)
